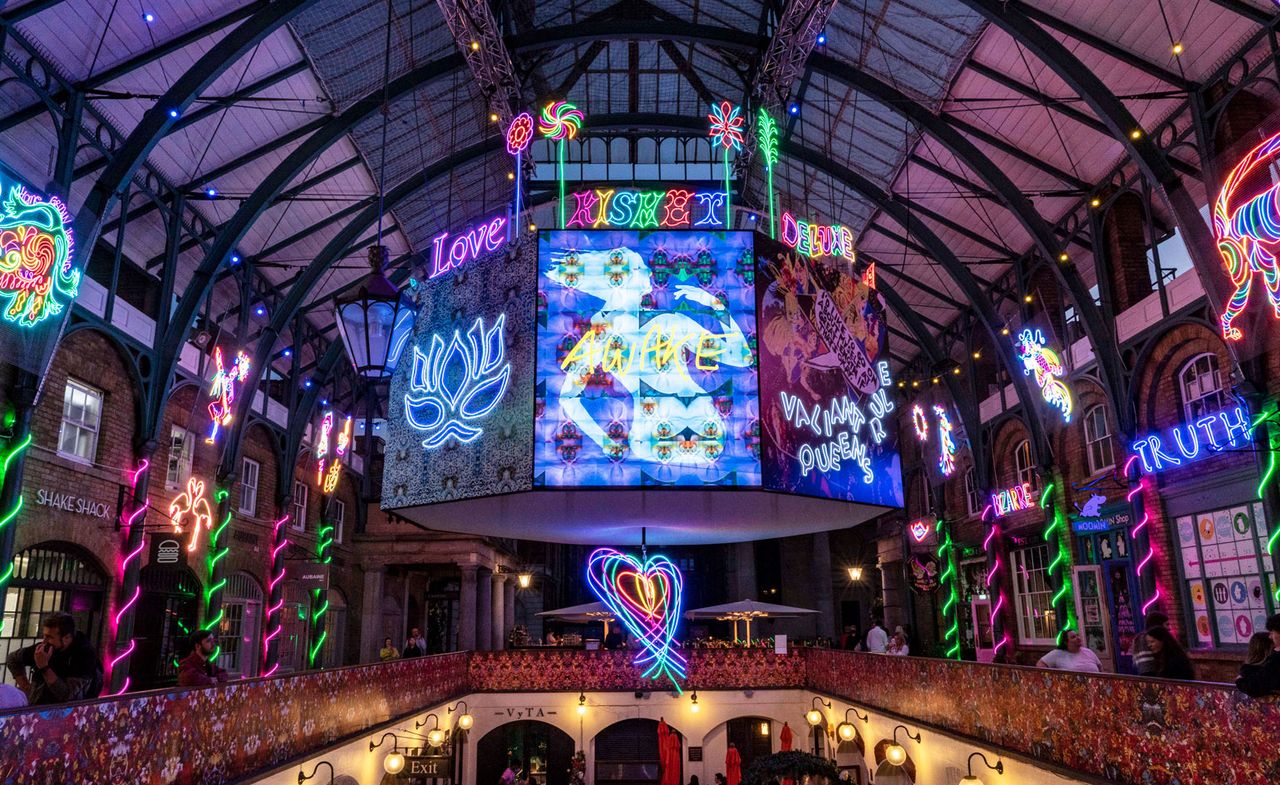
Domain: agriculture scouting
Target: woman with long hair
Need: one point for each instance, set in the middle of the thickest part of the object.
(1171, 662)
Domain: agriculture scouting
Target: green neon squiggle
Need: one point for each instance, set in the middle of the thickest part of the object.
(17, 507)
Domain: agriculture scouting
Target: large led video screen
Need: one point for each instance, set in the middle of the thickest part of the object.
(460, 413)
(827, 407)
(646, 360)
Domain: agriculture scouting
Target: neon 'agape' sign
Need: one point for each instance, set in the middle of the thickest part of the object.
(676, 208)
(485, 238)
(1186, 443)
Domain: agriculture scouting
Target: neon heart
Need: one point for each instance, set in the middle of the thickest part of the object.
(645, 599)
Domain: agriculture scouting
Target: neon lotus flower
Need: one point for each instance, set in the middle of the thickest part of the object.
(36, 257)
(458, 384)
(1042, 361)
(726, 125)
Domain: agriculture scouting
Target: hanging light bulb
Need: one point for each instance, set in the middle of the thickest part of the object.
(393, 763)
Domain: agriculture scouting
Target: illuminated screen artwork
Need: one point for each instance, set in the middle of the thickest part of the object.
(1045, 364)
(1246, 227)
(646, 598)
(460, 417)
(646, 368)
(829, 421)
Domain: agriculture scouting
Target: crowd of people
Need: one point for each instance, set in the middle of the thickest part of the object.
(63, 666)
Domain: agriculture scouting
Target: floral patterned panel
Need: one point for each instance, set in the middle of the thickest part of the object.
(1119, 729)
(560, 670)
(214, 735)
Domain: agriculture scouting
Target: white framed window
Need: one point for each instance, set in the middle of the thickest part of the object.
(1033, 596)
(339, 519)
(972, 499)
(1097, 440)
(299, 506)
(249, 472)
(1022, 464)
(81, 418)
(182, 450)
(1201, 386)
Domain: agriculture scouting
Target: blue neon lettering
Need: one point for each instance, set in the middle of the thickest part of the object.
(1206, 424)
(623, 209)
(1240, 427)
(713, 205)
(1188, 453)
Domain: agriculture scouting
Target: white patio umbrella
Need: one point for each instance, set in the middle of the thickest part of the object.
(746, 610)
(581, 614)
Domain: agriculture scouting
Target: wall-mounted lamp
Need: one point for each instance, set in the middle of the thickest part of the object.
(582, 704)
(525, 579)
(693, 702)
(764, 728)
(813, 716)
(465, 720)
(394, 762)
(972, 779)
(855, 573)
(845, 730)
(435, 736)
(304, 777)
(895, 753)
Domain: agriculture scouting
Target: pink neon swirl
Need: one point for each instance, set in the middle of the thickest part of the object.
(990, 535)
(271, 670)
(275, 607)
(136, 592)
(133, 480)
(1129, 463)
(123, 689)
(986, 511)
(995, 567)
(133, 516)
(122, 655)
(1151, 601)
(276, 550)
(1150, 554)
(281, 522)
(1003, 641)
(1129, 496)
(1145, 520)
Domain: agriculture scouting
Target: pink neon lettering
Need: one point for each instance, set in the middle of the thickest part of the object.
(584, 214)
(790, 231)
(466, 247)
(676, 209)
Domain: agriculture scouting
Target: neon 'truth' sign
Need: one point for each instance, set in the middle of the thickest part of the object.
(1191, 441)
(485, 238)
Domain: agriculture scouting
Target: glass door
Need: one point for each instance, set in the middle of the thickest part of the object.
(983, 641)
(1091, 611)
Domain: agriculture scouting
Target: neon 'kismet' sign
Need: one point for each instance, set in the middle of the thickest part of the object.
(675, 208)
(1191, 441)
(1011, 500)
(485, 238)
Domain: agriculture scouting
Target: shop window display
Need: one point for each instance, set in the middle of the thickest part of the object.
(1228, 573)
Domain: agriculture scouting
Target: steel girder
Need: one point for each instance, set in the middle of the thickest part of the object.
(263, 196)
(1013, 17)
(316, 270)
(480, 41)
(159, 119)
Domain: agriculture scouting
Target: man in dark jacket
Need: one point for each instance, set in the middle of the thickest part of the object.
(197, 669)
(61, 668)
(1264, 677)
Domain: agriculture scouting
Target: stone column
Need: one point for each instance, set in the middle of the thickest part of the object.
(744, 557)
(371, 632)
(508, 607)
(484, 610)
(826, 621)
(467, 608)
(498, 623)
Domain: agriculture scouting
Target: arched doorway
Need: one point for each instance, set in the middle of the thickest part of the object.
(753, 737)
(542, 752)
(627, 753)
(167, 614)
(48, 578)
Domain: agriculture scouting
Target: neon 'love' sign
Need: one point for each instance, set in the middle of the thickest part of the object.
(485, 238)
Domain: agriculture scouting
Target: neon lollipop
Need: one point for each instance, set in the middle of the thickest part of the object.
(726, 131)
(560, 121)
(519, 134)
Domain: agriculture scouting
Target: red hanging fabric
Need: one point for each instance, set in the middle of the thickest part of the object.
(733, 766)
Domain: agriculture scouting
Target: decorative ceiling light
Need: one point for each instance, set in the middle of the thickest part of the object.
(376, 321)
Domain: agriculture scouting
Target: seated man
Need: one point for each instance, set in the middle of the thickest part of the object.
(63, 667)
(197, 668)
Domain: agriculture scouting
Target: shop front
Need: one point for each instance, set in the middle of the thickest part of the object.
(1105, 586)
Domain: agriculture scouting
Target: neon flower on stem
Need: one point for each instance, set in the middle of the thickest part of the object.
(560, 121)
(520, 133)
(727, 124)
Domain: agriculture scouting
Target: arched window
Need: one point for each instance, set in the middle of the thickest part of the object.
(238, 633)
(1022, 463)
(51, 578)
(1201, 386)
(972, 500)
(1097, 440)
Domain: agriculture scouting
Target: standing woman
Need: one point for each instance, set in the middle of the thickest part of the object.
(1171, 662)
